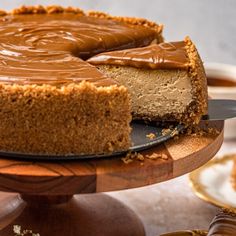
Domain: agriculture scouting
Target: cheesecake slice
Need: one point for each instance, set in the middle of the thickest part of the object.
(167, 81)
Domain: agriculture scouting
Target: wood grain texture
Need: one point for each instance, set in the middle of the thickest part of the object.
(85, 215)
(47, 205)
(99, 175)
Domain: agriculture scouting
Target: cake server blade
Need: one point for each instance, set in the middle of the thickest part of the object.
(220, 109)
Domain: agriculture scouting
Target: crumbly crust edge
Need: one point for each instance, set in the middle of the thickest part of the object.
(182, 117)
(197, 74)
(69, 92)
(64, 89)
(198, 107)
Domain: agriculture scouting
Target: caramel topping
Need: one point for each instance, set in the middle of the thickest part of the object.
(156, 56)
(223, 224)
(50, 48)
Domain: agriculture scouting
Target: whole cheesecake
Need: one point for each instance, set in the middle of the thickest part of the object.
(167, 81)
(52, 101)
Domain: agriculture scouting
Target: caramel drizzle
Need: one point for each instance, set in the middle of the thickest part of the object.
(51, 48)
(156, 56)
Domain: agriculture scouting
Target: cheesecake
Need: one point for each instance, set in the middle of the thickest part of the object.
(52, 100)
(167, 81)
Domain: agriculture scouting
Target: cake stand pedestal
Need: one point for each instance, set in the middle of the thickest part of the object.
(55, 197)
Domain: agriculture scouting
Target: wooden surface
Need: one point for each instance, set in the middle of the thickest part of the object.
(89, 176)
(84, 215)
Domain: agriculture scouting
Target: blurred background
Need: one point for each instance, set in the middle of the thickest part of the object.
(210, 23)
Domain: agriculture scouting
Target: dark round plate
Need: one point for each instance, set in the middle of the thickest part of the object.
(139, 137)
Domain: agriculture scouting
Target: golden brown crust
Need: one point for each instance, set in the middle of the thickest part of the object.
(182, 118)
(66, 120)
(199, 84)
(3, 13)
(131, 21)
(29, 10)
(45, 10)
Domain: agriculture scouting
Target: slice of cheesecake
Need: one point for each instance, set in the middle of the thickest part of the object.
(167, 81)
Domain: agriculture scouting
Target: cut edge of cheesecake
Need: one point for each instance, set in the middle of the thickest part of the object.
(199, 85)
(186, 81)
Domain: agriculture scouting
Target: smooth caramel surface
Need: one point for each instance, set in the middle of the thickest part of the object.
(156, 56)
(51, 48)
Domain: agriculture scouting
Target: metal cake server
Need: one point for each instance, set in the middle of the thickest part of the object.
(220, 109)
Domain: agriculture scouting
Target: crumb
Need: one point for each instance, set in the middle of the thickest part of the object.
(165, 131)
(140, 157)
(19, 232)
(151, 136)
(130, 157)
(176, 137)
(126, 160)
(174, 132)
(213, 131)
(164, 157)
(154, 156)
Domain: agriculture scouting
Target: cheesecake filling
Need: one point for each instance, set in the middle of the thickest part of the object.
(157, 77)
(154, 92)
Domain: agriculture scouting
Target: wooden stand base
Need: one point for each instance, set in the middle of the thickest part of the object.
(80, 215)
(43, 207)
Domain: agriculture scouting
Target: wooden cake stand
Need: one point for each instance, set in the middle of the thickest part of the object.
(47, 204)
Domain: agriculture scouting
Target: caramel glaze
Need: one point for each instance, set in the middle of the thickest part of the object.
(51, 48)
(224, 224)
(155, 56)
